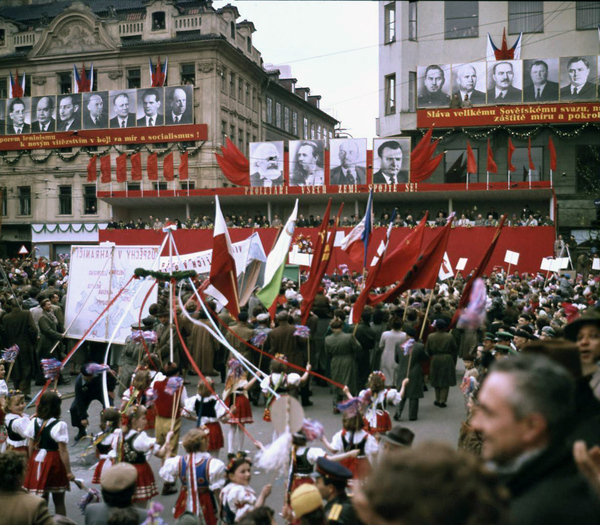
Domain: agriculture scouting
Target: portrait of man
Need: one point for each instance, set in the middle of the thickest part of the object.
(122, 109)
(433, 89)
(577, 79)
(391, 161)
(179, 105)
(469, 82)
(348, 161)
(2, 117)
(540, 80)
(18, 114)
(266, 164)
(95, 110)
(149, 103)
(504, 77)
(306, 163)
(69, 114)
(44, 114)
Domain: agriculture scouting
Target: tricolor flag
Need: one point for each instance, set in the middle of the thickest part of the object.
(355, 244)
(276, 261)
(158, 74)
(83, 80)
(504, 53)
(16, 88)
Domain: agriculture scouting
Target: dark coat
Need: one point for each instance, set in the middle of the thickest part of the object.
(20, 329)
(88, 123)
(414, 389)
(342, 349)
(10, 129)
(257, 182)
(281, 340)
(49, 334)
(378, 177)
(476, 97)
(443, 351)
(75, 125)
(587, 92)
(512, 95)
(549, 94)
(337, 176)
(433, 100)
(131, 121)
(158, 121)
(36, 128)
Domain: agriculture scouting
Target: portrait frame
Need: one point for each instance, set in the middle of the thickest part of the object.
(188, 114)
(132, 113)
(88, 123)
(34, 120)
(141, 115)
(379, 175)
(257, 156)
(512, 96)
(424, 100)
(479, 94)
(550, 93)
(335, 163)
(298, 175)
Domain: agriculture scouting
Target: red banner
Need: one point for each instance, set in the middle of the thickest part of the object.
(105, 175)
(92, 169)
(122, 168)
(168, 173)
(105, 137)
(136, 166)
(528, 115)
(183, 167)
(152, 166)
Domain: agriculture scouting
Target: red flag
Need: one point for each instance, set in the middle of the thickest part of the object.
(223, 278)
(426, 170)
(471, 163)
(152, 166)
(168, 171)
(92, 169)
(421, 147)
(531, 164)
(425, 270)
(136, 166)
(234, 165)
(492, 167)
(105, 175)
(552, 154)
(511, 150)
(122, 168)
(183, 167)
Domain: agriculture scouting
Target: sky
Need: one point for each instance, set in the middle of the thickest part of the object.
(332, 48)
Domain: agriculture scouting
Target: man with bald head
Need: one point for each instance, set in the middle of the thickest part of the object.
(178, 106)
(267, 164)
(44, 110)
(466, 80)
(348, 172)
(96, 114)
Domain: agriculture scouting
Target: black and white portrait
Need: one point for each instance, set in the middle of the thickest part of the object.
(69, 112)
(179, 105)
(348, 161)
(150, 107)
(468, 82)
(391, 161)
(578, 77)
(19, 114)
(266, 164)
(43, 114)
(122, 108)
(505, 82)
(540, 80)
(434, 86)
(95, 110)
(2, 117)
(306, 163)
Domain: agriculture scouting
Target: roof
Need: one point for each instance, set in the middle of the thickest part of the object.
(185, 36)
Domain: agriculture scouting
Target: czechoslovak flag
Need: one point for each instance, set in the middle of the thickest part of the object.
(223, 277)
(355, 244)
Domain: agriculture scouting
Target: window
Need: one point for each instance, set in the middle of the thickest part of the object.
(240, 90)
(240, 138)
(390, 94)
(65, 83)
(312, 131)
(248, 143)
(319, 132)
(224, 81)
(305, 129)
(159, 21)
(223, 132)
(294, 123)
(412, 20)
(232, 29)
(248, 101)
(4, 207)
(188, 74)
(3, 88)
(134, 186)
(65, 200)
(231, 85)
(520, 160)
(2, 37)
(134, 78)
(526, 17)
(286, 119)
(269, 110)
(588, 15)
(278, 114)
(462, 19)
(187, 184)
(249, 44)
(412, 91)
(390, 23)
(254, 99)
(232, 133)
(160, 186)
(455, 166)
(24, 200)
(90, 202)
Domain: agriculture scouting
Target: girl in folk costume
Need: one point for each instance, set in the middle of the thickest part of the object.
(141, 393)
(133, 446)
(16, 423)
(237, 497)
(207, 410)
(280, 382)
(201, 475)
(377, 418)
(236, 399)
(110, 419)
(3, 394)
(49, 466)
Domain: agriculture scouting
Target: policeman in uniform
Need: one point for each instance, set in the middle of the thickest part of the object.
(332, 481)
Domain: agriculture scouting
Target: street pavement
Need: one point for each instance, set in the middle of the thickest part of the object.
(438, 424)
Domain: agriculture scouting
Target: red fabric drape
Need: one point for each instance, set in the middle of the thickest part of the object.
(552, 154)
(183, 167)
(471, 163)
(511, 150)
(168, 171)
(92, 169)
(105, 175)
(492, 167)
(136, 166)
(122, 168)
(152, 166)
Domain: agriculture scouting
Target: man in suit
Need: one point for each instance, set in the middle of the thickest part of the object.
(432, 95)
(69, 117)
(16, 124)
(178, 113)
(391, 154)
(540, 89)
(503, 91)
(466, 80)
(95, 116)
(122, 118)
(348, 172)
(269, 172)
(579, 88)
(43, 111)
(307, 165)
(151, 104)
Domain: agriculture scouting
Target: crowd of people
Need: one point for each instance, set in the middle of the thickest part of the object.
(528, 448)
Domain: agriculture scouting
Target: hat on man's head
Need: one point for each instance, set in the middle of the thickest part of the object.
(501, 334)
(305, 499)
(590, 316)
(149, 321)
(333, 470)
(400, 436)
(261, 318)
(523, 333)
(548, 330)
(489, 336)
(137, 326)
(161, 311)
(118, 477)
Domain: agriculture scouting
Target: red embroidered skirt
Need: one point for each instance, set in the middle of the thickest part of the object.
(206, 503)
(215, 436)
(49, 475)
(383, 423)
(360, 467)
(103, 464)
(243, 412)
(145, 487)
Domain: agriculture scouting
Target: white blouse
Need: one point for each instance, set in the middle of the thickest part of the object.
(387, 395)
(274, 379)
(371, 446)
(189, 405)
(20, 424)
(239, 498)
(59, 432)
(171, 470)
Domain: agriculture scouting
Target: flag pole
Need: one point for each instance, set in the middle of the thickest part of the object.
(467, 180)
(487, 180)
(406, 306)
(171, 294)
(425, 318)
(529, 178)
(551, 185)
(508, 179)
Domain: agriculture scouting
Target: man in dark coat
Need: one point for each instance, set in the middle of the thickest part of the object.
(414, 390)
(20, 330)
(442, 349)
(342, 348)
(281, 340)
(366, 337)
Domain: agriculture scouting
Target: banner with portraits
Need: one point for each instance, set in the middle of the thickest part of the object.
(126, 108)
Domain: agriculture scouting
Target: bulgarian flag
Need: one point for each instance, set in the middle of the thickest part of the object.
(276, 262)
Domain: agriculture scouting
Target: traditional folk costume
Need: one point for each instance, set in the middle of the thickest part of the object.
(3, 393)
(303, 463)
(145, 398)
(346, 441)
(377, 418)
(45, 470)
(133, 449)
(200, 476)
(236, 501)
(16, 433)
(208, 411)
(237, 396)
(279, 383)
(105, 452)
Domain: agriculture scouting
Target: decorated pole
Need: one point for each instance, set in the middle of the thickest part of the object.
(172, 291)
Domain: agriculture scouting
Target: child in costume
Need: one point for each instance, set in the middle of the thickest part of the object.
(16, 423)
(49, 466)
(201, 475)
(141, 393)
(207, 410)
(110, 419)
(237, 497)
(236, 399)
(3, 394)
(377, 418)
